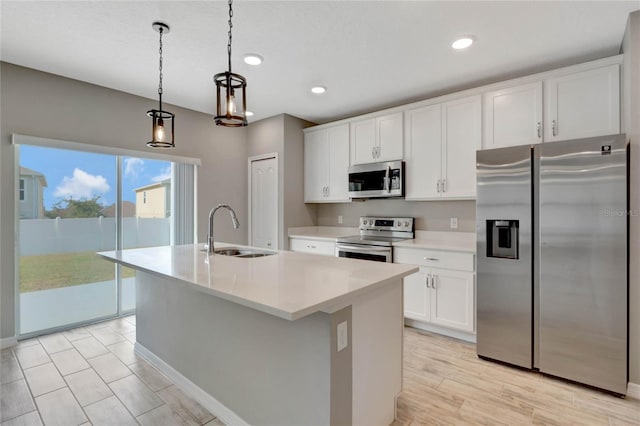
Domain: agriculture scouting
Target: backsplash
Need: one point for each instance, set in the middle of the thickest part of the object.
(430, 215)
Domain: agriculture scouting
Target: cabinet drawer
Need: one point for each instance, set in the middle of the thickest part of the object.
(326, 248)
(435, 258)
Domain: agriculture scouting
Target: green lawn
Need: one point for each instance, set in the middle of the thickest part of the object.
(65, 269)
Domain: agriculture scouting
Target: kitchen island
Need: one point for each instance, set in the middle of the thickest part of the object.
(255, 340)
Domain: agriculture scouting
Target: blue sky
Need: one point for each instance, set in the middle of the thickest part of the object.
(85, 175)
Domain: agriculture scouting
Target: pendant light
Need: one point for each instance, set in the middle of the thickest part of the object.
(231, 94)
(161, 137)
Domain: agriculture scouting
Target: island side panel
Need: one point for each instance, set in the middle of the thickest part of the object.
(378, 327)
(265, 369)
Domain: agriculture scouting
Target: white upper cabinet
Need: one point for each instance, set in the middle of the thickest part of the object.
(363, 141)
(440, 144)
(513, 116)
(326, 164)
(582, 104)
(338, 158)
(315, 165)
(377, 139)
(423, 152)
(462, 124)
(389, 134)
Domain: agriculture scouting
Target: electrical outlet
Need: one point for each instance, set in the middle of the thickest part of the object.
(343, 337)
(454, 223)
(340, 219)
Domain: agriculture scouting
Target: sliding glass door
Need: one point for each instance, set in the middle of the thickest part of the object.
(145, 214)
(73, 204)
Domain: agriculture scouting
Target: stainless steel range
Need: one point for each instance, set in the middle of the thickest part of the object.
(377, 234)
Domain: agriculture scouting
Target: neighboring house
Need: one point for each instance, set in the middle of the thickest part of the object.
(128, 210)
(31, 194)
(154, 200)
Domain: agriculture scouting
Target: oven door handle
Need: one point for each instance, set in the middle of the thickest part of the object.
(361, 249)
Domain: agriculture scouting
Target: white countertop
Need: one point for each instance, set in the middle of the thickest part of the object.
(323, 233)
(288, 285)
(432, 240)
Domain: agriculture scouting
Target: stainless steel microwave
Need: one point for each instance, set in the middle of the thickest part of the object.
(377, 180)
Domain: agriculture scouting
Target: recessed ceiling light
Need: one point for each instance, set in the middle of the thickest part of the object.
(248, 113)
(318, 90)
(253, 59)
(462, 43)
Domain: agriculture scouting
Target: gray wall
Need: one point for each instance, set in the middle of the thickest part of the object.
(430, 215)
(283, 134)
(292, 360)
(631, 122)
(45, 105)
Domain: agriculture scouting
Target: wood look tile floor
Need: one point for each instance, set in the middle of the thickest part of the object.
(445, 383)
(90, 376)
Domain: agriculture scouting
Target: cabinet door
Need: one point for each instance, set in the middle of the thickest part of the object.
(583, 104)
(423, 151)
(462, 137)
(513, 116)
(452, 299)
(363, 141)
(338, 163)
(389, 137)
(315, 165)
(416, 296)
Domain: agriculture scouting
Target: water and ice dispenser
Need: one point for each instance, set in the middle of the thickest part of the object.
(502, 238)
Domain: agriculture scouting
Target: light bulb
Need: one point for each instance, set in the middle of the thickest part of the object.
(231, 106)
(160, 130)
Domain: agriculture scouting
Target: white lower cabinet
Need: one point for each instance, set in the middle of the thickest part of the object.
(438, 295)
(442, 297)
(325, 248)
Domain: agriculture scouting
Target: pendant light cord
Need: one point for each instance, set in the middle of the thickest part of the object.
(160, 68)
(230, 27)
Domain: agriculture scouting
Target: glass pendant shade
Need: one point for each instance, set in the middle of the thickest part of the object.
(161, 136)
(231, 99)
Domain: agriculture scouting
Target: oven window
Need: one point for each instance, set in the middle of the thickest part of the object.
(364, 256)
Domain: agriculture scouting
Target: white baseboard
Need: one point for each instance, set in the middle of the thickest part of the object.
(456, 334)
(633, 390)
(214, 406)
(7, 342)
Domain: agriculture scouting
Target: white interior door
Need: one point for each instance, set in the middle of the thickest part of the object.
(264, 203)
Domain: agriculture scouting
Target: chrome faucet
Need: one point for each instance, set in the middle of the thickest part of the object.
(234, 219)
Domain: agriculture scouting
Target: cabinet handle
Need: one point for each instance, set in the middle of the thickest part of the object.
(539, 130)
(434, 281)
(444, 185)
(373, 152)
(378, 149)
(554, 128)
(438, 185)
(428, 278)
(431, 258)
(327, 193)
(310, 246)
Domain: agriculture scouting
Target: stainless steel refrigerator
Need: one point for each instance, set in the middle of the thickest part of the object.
(552, 283)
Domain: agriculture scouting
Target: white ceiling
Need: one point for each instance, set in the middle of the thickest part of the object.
(369, 55)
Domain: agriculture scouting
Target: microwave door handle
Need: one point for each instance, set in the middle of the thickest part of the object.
(387, 179)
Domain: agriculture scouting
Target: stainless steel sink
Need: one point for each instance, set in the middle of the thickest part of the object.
(241, 252)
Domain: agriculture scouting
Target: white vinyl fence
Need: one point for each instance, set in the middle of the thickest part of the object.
(45, 236)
